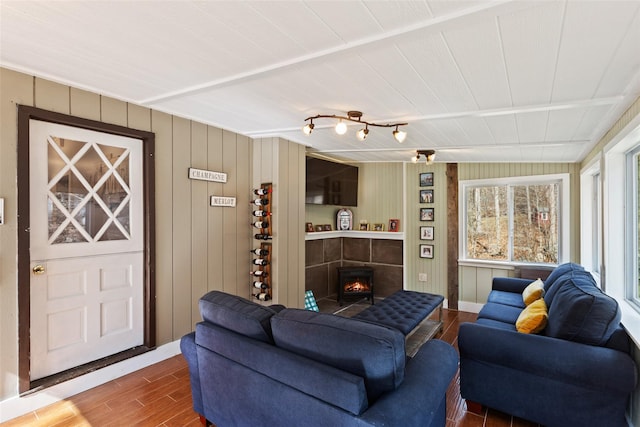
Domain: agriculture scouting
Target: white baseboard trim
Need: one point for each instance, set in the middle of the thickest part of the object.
(471, 307)
(15, 406)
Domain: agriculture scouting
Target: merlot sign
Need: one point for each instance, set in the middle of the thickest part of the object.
(228, 202)
(204, 175)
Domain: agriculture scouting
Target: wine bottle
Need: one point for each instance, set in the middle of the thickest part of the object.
(260, 285)
(257, 273)
(260, 261)
(259, 252)
(261, 236)
(261, 213)
(261, 191)
(263, 296)
(261, 224)
(261, 202)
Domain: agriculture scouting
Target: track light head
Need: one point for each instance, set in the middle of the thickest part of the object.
(308, 128)
(341, 128)
(399, 135)
(362, 133)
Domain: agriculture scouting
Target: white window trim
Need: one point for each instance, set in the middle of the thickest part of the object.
(565, 212)
(587, 219)
(614, 216)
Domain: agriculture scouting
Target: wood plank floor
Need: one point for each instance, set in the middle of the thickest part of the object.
(159, 395)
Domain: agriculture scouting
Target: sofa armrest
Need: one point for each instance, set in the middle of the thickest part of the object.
(417, 400)
(509, 284)
(566, 361)
(188, 348)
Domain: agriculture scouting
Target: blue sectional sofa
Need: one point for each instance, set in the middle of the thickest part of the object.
(576, 372)
(252, 365)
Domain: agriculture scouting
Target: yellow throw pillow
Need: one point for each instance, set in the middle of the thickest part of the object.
(534, 291)
(533, 318)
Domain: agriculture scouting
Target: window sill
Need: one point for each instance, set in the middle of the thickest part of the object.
(631, 321)
(504, 265)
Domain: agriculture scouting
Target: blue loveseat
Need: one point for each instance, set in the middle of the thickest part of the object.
(576, 372)
(252, 365)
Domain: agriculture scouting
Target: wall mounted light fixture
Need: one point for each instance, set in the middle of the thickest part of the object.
(429, 155)
(355, 116)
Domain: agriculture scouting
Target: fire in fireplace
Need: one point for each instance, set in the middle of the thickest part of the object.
(355, 282)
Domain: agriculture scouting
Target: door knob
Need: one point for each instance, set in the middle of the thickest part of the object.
(38, 269)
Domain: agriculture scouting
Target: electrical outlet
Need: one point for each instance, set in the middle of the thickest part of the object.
(422, 277)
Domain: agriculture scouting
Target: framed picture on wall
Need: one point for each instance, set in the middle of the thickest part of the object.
(426, 214)
(426, 196)
(426, 233)
(426, 251)
(426, 179)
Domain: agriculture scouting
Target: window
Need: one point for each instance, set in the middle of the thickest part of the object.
(632, 243)
(515, 220)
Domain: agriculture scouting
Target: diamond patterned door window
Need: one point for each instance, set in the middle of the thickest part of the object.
(89, 193)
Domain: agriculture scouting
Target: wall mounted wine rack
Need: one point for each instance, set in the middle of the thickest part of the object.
(261, 284)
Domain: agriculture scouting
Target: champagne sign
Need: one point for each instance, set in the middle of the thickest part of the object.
(228, 202)
(204, 175)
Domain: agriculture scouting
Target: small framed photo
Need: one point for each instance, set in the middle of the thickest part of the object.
(426, 214)
(364, 226)
(326, 227)
(378, 227)
(319, 227)
(426, 251)
(394, 224)
(426, 196)
(426, 233)
(426, 179)
(308, 227)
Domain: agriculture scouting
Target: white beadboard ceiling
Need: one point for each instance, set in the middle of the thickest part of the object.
(477, 81)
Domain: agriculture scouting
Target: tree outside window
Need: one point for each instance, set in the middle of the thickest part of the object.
(512, 222)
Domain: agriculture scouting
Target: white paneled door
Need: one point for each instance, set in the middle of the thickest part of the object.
(86, 246)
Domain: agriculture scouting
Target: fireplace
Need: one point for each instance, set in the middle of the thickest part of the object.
(355, 282)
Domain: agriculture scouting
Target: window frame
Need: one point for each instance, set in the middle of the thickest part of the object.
(591, 218)
(632, 174)
(564, 210)
(616, 273)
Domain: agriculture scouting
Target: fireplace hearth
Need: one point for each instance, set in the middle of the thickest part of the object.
(355, 282)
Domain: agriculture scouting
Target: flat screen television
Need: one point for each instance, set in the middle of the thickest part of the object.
(331, 183)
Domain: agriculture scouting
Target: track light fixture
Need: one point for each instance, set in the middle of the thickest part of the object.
(429, 156)
(355, 116)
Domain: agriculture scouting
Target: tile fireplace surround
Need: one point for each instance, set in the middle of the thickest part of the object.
(325, 251)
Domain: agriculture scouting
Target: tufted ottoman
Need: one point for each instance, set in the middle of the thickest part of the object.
(405, 311)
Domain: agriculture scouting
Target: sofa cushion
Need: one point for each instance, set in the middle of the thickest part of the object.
(560, 271)
(237, 314)
(533, 319)
(499, 312)
(533, 292)
(373, 352)
(581, 312)
(513, 299)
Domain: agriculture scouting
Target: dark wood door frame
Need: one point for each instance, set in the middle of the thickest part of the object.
(452, 236)
(25, 114)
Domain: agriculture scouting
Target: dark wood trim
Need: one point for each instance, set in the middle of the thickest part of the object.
(25, 114)
(23, 273)
(452, 235)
